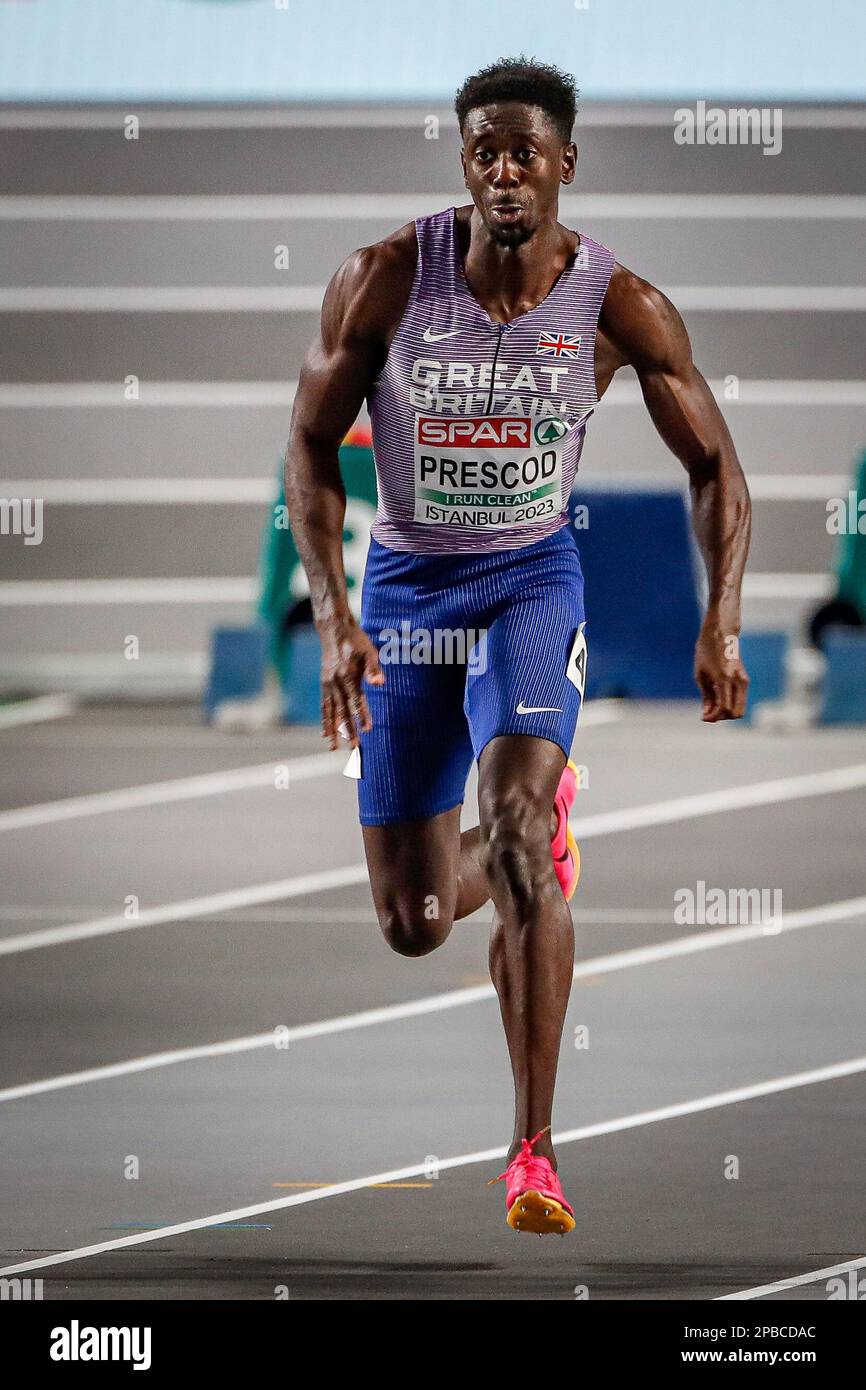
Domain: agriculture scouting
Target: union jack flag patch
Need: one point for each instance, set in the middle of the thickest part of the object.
(558, 344)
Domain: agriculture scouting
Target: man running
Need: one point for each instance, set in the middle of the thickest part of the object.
(482, 338)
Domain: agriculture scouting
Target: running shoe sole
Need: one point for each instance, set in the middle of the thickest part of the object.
(536, 1214)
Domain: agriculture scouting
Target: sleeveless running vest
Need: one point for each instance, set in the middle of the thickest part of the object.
(478, 427)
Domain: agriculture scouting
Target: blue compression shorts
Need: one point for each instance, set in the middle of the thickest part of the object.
(471, 646)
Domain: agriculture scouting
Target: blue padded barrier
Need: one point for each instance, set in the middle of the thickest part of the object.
(764, 656)
(237, 668)
(642, 608)
(301, 675)
(845, 677)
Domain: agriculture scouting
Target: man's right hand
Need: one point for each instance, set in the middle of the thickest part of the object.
(348, 658)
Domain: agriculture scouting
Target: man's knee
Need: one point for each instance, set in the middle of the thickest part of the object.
(516, 843)
(413, 929)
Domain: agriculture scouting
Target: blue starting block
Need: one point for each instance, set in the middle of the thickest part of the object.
(765, 656)
(643, 615)
(845, 676)
(301, 676)
(239, 658)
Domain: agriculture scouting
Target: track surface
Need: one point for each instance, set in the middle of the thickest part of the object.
(657, 1216)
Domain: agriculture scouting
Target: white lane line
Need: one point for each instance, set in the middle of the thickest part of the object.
(796, 1281)
(215, 783)
(763, 487)
(253, 117)
(67, 395)
(768, 299)
(234, 395)
(602, 711)
(231, 299)
(586, 827)
(794, 586)
(435, 1003)
(38, 710)
(584, 917)
(790, 392)
(28, 593)
(188, 910)
(30, 912)
(780, 789)
(177, 789)
(569, 1136)
(368, 1018)
(374, 116)
(403, 207)
(150, 492)
(42, 593)
(161, 299)
(161, 492)
(784, 487)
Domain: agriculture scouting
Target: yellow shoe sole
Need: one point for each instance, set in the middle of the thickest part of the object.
(575, 854)
(537, 1215)
(571, 842)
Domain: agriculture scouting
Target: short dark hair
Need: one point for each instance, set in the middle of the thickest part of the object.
(522, 79)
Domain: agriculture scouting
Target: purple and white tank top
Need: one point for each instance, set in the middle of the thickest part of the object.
(478, 427)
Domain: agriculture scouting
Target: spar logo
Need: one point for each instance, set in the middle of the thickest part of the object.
(488, 431)
(549, 430)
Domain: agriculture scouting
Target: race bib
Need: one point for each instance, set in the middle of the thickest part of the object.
(488, 470)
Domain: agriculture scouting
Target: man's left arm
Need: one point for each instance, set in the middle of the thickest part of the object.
(647, 332)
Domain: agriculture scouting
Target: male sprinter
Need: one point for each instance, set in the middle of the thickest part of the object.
(482, 338)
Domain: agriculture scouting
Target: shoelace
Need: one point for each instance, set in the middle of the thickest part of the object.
(527, 1159)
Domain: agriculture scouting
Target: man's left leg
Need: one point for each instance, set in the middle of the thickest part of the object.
(532, 942)
(522, 703)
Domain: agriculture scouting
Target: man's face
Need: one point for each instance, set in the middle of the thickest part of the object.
(514, 162)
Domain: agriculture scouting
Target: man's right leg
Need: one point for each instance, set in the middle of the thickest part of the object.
(415, 759)
(425, 876)
(414, 763)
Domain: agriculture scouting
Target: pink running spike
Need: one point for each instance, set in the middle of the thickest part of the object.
(534, 1199)
(566, 855)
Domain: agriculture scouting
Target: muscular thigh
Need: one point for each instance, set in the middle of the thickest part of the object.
(532, 680)
(517, 780)
(413, 868)
(415, 758)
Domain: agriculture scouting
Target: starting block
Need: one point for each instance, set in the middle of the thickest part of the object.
(845, 677)
(238, 664)
(764, 656)
(301, 676)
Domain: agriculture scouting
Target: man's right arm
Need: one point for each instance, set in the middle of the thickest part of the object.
(362, 305)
